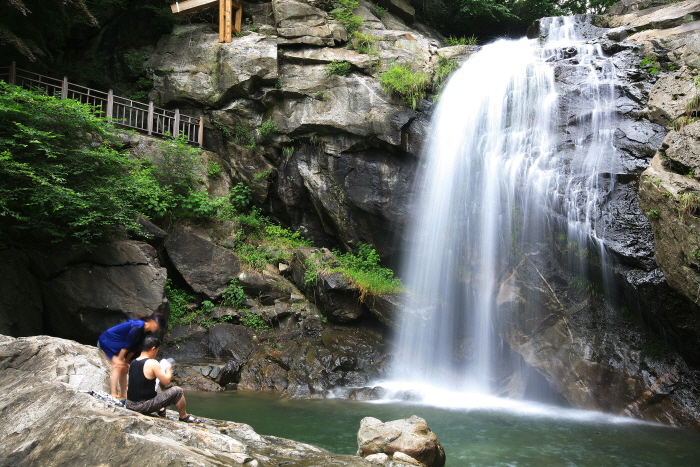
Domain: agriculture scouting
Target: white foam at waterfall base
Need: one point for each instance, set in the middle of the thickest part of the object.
(493, 185)
(435, 396)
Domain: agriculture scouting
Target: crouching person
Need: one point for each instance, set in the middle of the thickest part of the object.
(141, 393)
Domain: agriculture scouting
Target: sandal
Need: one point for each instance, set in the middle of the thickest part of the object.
(161, 412)
(190, 419)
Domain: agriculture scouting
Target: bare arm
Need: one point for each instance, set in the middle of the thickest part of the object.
(164, 375)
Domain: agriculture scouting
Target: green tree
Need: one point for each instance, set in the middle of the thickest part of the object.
(61, 175)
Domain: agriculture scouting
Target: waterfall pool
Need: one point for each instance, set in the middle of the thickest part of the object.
(504, 433)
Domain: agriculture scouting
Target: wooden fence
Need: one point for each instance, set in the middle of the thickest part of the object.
(121, 111)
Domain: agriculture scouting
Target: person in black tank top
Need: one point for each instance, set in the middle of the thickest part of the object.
(142, 396)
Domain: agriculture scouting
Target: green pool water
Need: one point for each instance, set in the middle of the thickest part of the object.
(475, 436)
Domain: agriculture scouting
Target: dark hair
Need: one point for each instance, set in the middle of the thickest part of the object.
(149, 342)
(158, 318)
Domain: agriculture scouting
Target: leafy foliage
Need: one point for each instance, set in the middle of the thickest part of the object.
(60, 172)
(409, 84)
(338, 68)
(234, 295)
(445, 67)
(365, 43)
(267, 130)
(179, 301)
(364, 270)
(213, 169)
(345, 14)
(243, 136)
(240, 196)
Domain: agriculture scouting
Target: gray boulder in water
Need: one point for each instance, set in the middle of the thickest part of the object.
(408, 440)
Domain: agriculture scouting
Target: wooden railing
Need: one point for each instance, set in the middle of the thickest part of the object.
(121, 111)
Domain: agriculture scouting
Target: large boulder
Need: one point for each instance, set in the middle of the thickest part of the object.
(89, 288)
(50, 420)
(192, 68)
(206, 267)
(302, 23)
(406, 440)
(21, 307)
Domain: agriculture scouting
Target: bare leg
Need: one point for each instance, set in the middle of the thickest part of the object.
(181, 407)
(118, 376)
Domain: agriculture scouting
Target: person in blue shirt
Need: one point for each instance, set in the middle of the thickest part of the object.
(119, 343)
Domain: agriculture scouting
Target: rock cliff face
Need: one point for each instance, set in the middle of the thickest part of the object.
(346, 151)
(636, 354)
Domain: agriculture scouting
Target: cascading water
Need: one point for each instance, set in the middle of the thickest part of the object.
(497, 182)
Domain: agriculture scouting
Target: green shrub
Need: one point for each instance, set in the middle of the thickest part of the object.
(409, 84)
(320, 95)
(653, 214)
(364, 270)
(345, 14)
(364, 43)
(264, 175)
(234, 295)
(213, 169)
(60, 172)
(254, 321)
(444, 69)
(338, 68)
(179, 305)
(473, 40)
(240, 196)
(267, 130)
(242, 136)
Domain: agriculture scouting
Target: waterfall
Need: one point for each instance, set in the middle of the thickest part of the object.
(504, 173)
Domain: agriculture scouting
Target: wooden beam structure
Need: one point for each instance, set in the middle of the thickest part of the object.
(230, 14)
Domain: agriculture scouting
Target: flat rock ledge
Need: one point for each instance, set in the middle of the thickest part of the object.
(49, 419)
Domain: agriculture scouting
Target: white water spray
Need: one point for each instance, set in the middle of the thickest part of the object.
(496, 182)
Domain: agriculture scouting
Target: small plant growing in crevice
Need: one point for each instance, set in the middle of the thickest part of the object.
(240, 196)
(345, 14)
(242, 136)
(264, 175)
(653, 214)
(320, 95)
(444, 69)
(365, 43)
(338, 68)
(213, 169)
(252, 320)
(234, 295)
(409, 84)
(267, 130)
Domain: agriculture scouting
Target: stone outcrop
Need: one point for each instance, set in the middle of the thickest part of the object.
(21, 310)
(407, 440)
(80, 291)
(49, 419)
(206, 267)
(337, 166)
(193, 68)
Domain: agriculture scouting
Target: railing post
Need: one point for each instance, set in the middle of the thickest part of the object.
(176, 124)
(64, 88)
(200, 132)
(13, 73)
(110, 105)
(149, 122)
